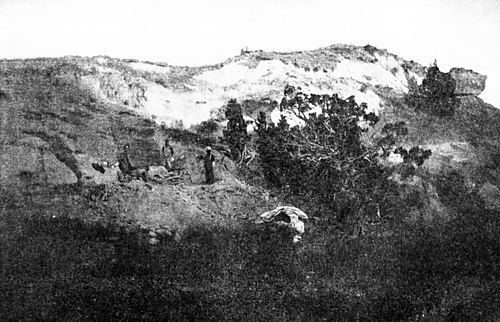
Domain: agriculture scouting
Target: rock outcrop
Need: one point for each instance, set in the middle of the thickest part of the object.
(468, 81)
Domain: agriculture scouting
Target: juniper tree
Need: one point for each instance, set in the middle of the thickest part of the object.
(235, 134)
(324, 159)
(436, 94)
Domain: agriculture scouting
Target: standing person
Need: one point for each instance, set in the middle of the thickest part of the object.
(124, 161)
(166, 148)
(209, 163)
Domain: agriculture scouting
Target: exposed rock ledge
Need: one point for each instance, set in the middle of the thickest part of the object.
(468, 81)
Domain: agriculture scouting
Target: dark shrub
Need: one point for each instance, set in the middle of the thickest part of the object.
(436, 94)
(235, 134)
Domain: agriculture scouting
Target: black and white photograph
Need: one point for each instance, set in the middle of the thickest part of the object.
(249, 160)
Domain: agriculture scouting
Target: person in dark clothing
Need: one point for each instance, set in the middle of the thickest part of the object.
(98, 167)
(166, 148)
(128, 171)
(209, 163)
(124, 161)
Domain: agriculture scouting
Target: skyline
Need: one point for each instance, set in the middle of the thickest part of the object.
(456, 33)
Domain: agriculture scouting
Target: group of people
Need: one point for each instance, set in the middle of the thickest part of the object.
(167, 151)
(286, 216)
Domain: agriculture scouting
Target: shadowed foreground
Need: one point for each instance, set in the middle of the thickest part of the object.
(58, 268)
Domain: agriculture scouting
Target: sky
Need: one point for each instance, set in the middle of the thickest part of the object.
(457, 33)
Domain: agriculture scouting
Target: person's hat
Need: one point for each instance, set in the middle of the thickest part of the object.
(208, 148)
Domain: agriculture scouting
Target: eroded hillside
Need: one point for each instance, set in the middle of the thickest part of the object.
(79, 244)
(53, 130)
(62, 114)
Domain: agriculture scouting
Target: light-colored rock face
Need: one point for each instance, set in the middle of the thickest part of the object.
(450, 154)
(112, 85)
(152, 68)
(192, 94)
(468, 82)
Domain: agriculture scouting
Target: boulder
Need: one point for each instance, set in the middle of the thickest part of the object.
(468, 82)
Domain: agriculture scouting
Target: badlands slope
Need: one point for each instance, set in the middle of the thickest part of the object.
(74, 109)
(191, 94)
(373, 76)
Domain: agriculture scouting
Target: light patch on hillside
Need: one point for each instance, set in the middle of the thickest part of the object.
(391, 64)
(269, 78)
(235, 72)
(105, 70)
(456, 151)
(211, 89)
(150, 68)
(101, 60)
(416, 77)
(373, 74)
(168, 106)
(449, 153)
(91, 83)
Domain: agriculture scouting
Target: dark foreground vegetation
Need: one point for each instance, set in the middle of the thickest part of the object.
(57, 268)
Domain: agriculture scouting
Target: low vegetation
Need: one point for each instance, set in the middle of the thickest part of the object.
(325, 159)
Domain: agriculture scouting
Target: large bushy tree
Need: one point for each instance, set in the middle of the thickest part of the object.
(324, 159)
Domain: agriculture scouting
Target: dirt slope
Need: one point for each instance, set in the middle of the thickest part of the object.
(53, 130)
(60, 115)
(174, 207)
